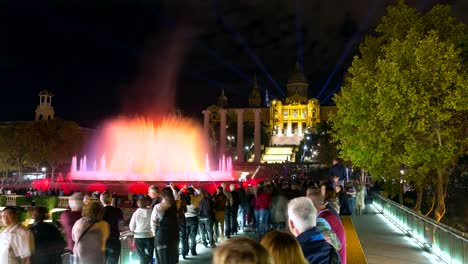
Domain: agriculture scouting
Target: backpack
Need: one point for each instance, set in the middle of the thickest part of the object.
(205, 208)
(235, 199)
(333, 257)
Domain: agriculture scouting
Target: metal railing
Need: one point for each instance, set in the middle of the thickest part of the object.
(448, 244)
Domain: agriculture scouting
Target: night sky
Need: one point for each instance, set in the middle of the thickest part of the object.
(104, 58)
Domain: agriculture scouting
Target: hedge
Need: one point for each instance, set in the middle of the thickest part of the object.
(48, 202)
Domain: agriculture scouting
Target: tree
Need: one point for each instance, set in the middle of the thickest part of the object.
(405, 102)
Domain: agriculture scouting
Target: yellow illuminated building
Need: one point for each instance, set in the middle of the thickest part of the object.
(291, 117)
(288, 118)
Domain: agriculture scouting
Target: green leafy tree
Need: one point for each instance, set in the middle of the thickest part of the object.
(404, 104)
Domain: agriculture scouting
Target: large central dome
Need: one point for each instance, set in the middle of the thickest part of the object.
(297, 75)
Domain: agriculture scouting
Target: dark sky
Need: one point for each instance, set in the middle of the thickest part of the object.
(103, 58)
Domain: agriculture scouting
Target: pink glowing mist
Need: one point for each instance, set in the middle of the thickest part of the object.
(153, 93)
(149, 143)
(144, 146)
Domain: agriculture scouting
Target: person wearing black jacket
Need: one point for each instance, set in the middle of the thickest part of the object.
(48, 240)
(234, 209)
(113, 216)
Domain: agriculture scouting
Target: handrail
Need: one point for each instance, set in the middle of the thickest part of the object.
(446, 243)
(446, 228)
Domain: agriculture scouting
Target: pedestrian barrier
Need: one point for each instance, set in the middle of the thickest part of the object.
(446, 243)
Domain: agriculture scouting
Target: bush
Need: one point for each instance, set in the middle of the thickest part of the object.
(23, 200)
(56, 217)
(48, 202)
(3, 200)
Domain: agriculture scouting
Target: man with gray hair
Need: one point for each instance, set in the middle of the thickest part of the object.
(155, 195)
(335, 222)
(302, 223)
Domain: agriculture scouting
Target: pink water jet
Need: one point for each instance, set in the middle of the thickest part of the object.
(138, 149)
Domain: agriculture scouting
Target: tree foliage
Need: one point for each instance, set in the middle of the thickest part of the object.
(36, 144)
(404, 104)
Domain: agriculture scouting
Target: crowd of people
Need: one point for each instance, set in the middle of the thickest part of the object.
(90, 227)
(33, 192)
(294, 220)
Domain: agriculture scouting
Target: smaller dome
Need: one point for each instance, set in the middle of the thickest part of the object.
(297, 76)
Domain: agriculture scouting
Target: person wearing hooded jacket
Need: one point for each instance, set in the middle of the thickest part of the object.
(140, 225)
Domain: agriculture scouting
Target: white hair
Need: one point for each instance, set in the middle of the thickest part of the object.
(302, 212)
(75, 201)
(232, 187)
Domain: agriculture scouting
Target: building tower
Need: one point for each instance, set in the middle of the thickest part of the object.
(255, 99)
(45, 111)
(222, 100)
(297, 87)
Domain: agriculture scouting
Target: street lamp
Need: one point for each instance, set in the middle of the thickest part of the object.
(43, 169)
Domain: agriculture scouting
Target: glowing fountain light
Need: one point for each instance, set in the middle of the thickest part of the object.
(138, 149)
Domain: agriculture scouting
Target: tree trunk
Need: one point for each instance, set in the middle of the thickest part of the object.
(439, 211)
(432, 206)
(419, 192)
(400, 193)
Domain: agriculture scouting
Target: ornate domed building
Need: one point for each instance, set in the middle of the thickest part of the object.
(287, 119)
(291, 116)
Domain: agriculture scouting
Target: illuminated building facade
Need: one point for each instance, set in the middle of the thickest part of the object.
(287, 119)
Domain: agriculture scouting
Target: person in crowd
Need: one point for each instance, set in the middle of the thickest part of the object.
(166, 230)
(220, 200)
(283, 247)
(331, 199)
(262, 210)
(181, 205)
(351, 191)
(90, 234)
(154, 193)
(360, 199)
(206, 220)
(302, 224)
(140, 225)
(250, 212)
(338, 170)
(113, 216)
(243, 204)
(234, 208)
(227, 211)
(68, 218)
(343, 201)
(48, 240)
(192, 199)
(337, 227)
(279, 205)
(323, 193)
(17, 242)
(241, 250)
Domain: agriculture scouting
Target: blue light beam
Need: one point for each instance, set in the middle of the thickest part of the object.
(349, 46)
(244, 46)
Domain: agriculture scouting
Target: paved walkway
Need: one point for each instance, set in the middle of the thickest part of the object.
(205, 255)
(384, 243)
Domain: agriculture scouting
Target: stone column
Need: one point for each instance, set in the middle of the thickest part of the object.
(206, 124)
(289, 129)
(240, 135)
(222, 133)
(299, 128)
(257, 132)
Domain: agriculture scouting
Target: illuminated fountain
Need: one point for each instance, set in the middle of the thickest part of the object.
(170, 149)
